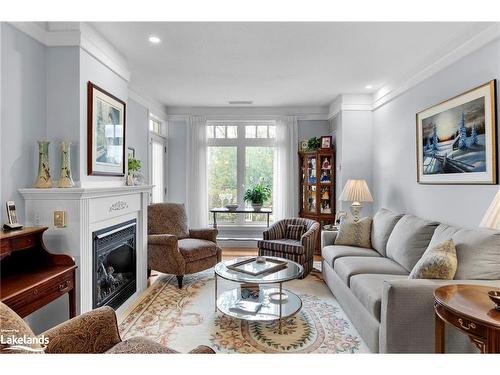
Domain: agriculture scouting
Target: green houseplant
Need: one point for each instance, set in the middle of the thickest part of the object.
(313, 143)
(258, 195)
(134, 166)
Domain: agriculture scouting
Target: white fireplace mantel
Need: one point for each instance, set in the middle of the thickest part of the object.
(82, 193)
(88, 210)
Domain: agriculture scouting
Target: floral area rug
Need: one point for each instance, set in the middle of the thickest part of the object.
(184, 318)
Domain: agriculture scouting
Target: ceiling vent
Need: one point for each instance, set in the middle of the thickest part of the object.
(240, 102)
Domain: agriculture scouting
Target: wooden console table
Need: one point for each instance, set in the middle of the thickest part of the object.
(468, 309)
(31, 277)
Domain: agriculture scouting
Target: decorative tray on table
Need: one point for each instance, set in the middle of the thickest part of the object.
(253, 267)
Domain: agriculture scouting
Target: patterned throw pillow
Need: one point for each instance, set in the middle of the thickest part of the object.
(438, 262)
(355, 233)
(294, 232)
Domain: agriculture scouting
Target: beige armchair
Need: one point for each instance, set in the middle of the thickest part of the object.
(93, 332)
(174, 248)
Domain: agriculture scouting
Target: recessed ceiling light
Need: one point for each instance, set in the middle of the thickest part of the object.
(368, 87)
(154, 39)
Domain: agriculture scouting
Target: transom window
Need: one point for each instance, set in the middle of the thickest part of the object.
(156, 126)
(240, 155)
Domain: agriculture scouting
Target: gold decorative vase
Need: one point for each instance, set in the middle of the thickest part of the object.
(65, 180)
(43, 180)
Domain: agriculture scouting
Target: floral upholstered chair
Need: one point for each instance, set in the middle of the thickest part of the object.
(174, 248)
(93, 332)
(294, 239)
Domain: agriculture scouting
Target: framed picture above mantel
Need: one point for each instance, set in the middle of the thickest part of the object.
(456, 140)
(106, 154)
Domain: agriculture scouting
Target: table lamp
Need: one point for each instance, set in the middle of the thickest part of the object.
(356, 191)
(492, 217)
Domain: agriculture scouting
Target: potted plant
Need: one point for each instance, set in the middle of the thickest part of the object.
(313, 144)
(134, 166)
(257, 195)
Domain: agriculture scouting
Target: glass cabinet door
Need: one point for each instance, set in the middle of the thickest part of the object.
(311, 169)
(326, 200)
(326, 170)
(311, 199)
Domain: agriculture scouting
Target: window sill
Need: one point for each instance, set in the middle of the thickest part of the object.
(248, 227)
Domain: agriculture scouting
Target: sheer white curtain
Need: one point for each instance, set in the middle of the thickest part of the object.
(286, 169)
(196, 173)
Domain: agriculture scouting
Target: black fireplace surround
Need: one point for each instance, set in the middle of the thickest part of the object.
(114, 264)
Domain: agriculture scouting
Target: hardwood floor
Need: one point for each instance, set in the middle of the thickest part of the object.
(234, 252)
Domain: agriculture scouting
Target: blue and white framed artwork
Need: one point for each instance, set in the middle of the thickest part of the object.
(456, 139)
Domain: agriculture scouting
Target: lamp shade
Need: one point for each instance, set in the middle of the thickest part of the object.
(492, 217)
(356, 191)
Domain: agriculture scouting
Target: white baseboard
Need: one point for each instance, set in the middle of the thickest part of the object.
(242, 244)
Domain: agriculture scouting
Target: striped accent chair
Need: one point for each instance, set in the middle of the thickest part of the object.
(275, 242)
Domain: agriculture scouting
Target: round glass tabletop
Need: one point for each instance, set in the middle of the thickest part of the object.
(292, 271)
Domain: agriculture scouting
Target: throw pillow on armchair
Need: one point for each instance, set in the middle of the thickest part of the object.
(355, 233)
(295, 231)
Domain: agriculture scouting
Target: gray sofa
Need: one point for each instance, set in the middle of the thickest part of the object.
(392, 313)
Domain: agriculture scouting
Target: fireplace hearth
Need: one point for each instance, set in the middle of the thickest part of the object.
(114, 260)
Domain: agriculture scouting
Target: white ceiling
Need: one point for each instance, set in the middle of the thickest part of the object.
(277, 64)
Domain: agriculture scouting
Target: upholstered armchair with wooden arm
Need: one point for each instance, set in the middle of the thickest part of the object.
(294, 239)
(93, 332)
(174, 248)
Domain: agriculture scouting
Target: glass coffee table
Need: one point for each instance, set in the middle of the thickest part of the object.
(276, 303)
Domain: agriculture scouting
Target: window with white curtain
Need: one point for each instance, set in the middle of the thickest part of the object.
(158, 162)
(239, 155)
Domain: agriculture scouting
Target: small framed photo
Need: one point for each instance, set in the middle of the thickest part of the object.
(326, 141)
(303, 145)
(130, 152)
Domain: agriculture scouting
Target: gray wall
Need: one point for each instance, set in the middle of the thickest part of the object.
(336, 133)
(394, 155)
(137, 132)
(63, 106)
(23, 64)
(312, 128)
(356, 153)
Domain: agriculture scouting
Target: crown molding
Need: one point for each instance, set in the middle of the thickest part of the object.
(92, 42)
(53, 38)
(178, 118)
(350, 102)
(300, 117)
(301, 112)
(390, 92)
(79, 35)
(155, 108)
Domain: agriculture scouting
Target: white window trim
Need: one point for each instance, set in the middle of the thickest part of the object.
(240, 143)
(161, 138)
(163, 125)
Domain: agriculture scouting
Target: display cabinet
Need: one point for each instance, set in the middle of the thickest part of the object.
(317, 186)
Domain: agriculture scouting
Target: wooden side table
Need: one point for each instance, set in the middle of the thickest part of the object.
(468, 309)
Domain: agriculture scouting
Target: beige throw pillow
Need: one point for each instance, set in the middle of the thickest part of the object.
(438, 262)
(353, 233)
